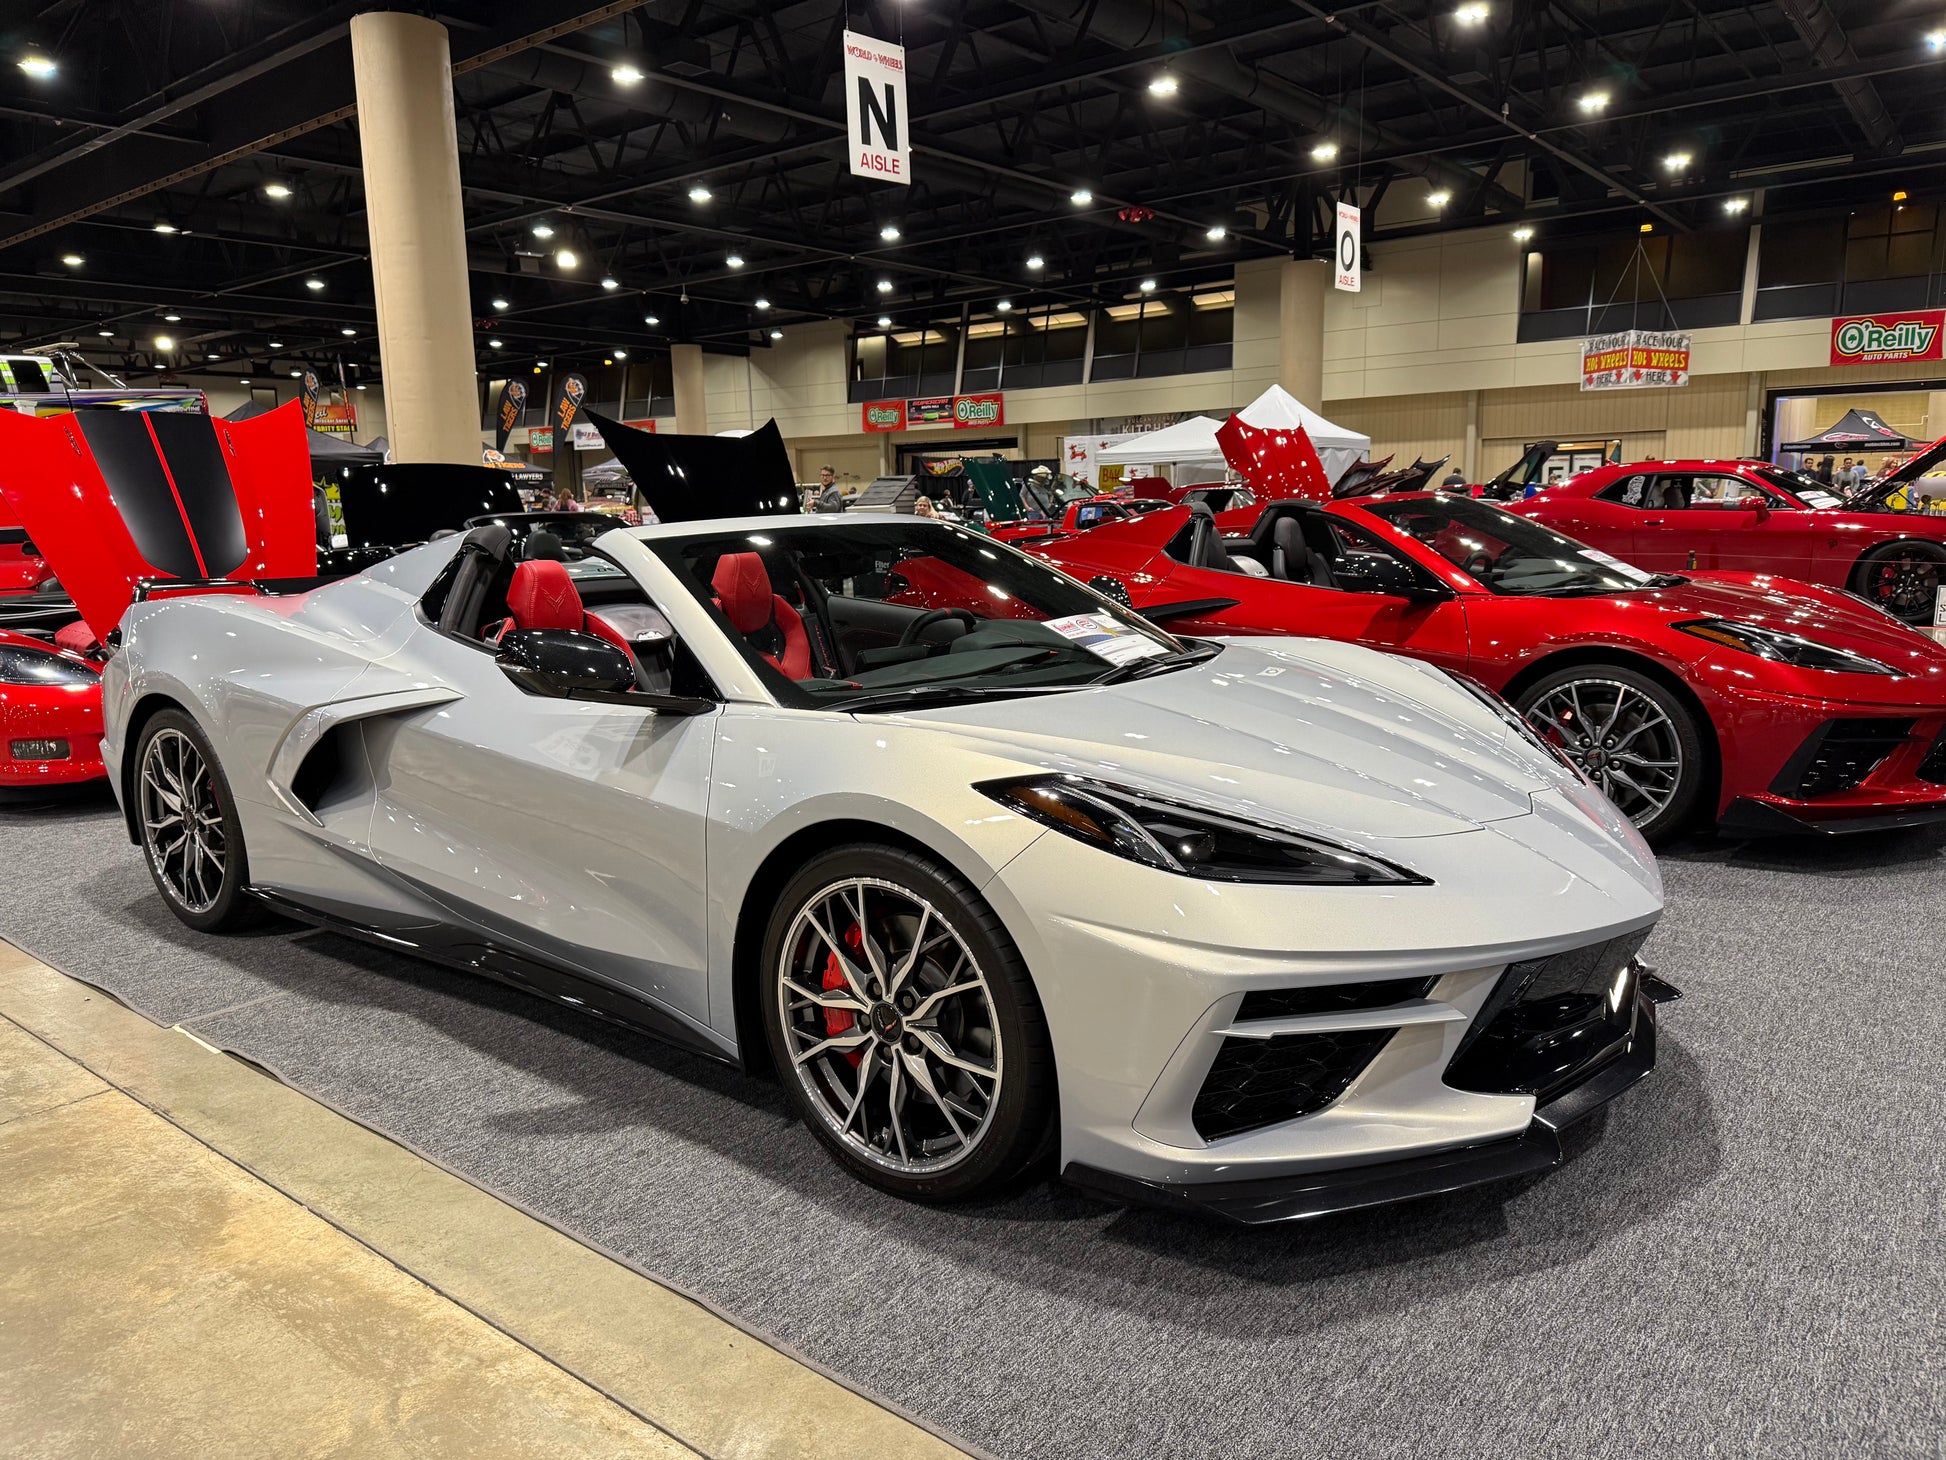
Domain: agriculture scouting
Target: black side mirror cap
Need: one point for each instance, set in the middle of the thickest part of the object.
(566, 664)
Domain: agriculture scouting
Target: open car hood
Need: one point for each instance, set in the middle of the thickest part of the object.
(1879, 488)
(113, 499)
(1277, 463)
(698, 478)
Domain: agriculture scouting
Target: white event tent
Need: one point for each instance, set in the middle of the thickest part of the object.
(1191, 446)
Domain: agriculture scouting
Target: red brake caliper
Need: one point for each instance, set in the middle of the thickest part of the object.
(841, 1021)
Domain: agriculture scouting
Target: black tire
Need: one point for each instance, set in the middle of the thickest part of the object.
(1903, 578)
(224, 903)
(1663, 810)
(1015, 1126)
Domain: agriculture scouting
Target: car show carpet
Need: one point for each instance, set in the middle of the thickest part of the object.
(1742, 1257)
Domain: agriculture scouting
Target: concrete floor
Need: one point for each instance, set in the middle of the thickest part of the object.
(340, 1297)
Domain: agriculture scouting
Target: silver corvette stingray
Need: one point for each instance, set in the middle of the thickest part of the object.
(990, 871)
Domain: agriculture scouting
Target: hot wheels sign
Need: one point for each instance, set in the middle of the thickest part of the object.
(1872, 339)
(1634, 358)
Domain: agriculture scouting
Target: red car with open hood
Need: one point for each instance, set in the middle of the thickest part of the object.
(1731, 698)
(121, 503)
(1752, 517)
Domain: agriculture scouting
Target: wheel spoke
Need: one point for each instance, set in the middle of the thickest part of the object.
(867, 1068)
(924, 1008)
(943, 1052)
(850, 1039)
(895, 1108)
(854, 976)
(827, 998)
(915, 1067)
(912, 959)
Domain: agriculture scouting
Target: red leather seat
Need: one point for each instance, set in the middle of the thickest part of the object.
(774, 628)
(543, 596)
(77, 637)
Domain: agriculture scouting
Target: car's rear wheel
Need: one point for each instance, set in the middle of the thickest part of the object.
(191, 836)
(1630, 734)
(1903, 578)
(905, 1027)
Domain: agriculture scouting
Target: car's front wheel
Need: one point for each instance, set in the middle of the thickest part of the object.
(191, 836)
(905, 1027)
(1903, 578)
(1629, 733)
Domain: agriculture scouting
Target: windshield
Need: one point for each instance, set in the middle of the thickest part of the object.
(1505, 553)
(902, 613)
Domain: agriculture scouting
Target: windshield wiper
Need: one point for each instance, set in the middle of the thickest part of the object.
(922, 696)
(1158, 664)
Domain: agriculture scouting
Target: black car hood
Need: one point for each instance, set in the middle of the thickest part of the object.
(1878, 489)
(697, 478)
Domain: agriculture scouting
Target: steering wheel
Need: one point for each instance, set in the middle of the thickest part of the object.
(926, 620)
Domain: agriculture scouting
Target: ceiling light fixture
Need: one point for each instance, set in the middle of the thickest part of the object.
(1439, 199)
(1935, 42)
(1521, 235)
(493, 344)
(347, 331)
(1647, 228)
(212, 357)
(884, 286)
(777, 334)
(172, 319)
(314, 285)
(276, 344)
(565, 258)
(38, 67)
(106, 334)
(163, 342)
(1471, 14)
(1035, 261)
(734, 260)
(1677, 161)
(1081, 197)
(276, 190)
(625, 75)
(700, 194)
(1147, 286)
(1324, 152)
(621, 354)
(543, 230)
(890, 233)
(1735, 205)
(1163, 85)
(1217, 233)
(1899, 196)
(762, 303)
(1003, 306)
(650, 319)
(163, 225)
(610, 282)
(500, 304)
(72, 260)
(1593, 102)
(885, 321)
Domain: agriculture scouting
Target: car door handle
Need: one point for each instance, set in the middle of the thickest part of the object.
(1653, 522)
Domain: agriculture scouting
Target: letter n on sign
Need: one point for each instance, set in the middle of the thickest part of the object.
(877, 126)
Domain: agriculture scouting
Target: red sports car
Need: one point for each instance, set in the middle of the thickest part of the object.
(1674, 516)
(1744, 700)
(50, 710)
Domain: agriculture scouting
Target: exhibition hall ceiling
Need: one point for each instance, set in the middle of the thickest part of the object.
(189, 171)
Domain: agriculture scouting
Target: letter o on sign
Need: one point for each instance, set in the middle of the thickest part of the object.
(1347, 251)
(1851, 338)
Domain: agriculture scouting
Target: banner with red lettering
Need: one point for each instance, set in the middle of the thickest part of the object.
(1634, 358)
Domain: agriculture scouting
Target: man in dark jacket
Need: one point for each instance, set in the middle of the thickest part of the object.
(830, 499)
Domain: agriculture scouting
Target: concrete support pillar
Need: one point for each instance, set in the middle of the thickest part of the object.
(1753, 414)
(1300, 335)
(404, 75)
(1470, 457)
(692, 412)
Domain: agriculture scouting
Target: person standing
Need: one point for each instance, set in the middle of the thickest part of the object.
(830, 497)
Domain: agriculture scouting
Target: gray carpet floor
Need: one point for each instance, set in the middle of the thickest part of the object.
(1745, 1256)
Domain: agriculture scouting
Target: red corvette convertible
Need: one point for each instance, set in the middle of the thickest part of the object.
(1750, 516)
(1731, 697)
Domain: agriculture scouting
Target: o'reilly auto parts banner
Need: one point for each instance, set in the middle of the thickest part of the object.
(961, 412)
(1634, 358)
(507, 414)
(1886, 339)
(568, 396)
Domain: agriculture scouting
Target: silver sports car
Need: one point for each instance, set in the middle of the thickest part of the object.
(988, 869)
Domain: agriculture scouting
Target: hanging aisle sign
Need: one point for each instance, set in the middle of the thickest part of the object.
(1345, 254)
(1634, 358)
(876, 129)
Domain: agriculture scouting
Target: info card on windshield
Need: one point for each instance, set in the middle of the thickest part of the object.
(1103, 636)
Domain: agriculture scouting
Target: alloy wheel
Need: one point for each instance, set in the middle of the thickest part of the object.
(182, 820)
(891, 1026)
(1621, 739)
(1904, 586)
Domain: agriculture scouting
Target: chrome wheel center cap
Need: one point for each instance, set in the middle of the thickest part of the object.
(886, 1023)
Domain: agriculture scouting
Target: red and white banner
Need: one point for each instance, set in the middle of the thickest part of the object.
(976, 412)
(876, 123)
(1634, 358)
(1881, 339)
(884, 415)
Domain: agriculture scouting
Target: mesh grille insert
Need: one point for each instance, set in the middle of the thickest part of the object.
(1258, 1082)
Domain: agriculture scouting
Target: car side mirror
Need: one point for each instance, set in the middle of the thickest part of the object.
(566, 664)
(1377, 573)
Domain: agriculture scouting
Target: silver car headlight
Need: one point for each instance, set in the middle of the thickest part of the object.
(1189, 840)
